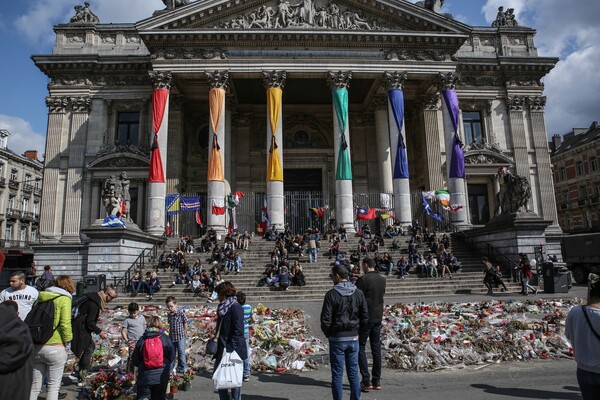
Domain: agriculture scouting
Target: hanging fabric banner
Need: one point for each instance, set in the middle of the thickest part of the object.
(457, 161)
(396, 97)
(274, 170)
(340, 103)
(173, 204)
(216, 98)
(190, 203)
(159, 104)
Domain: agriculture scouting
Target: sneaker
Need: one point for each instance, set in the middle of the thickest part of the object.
(246, 379)
(62, 395)
(376, 387)
(365, 388)
(74, 377)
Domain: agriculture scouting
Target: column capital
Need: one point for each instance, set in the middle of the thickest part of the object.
(448, 81)
(515, 103)
(56, 104)
(536, 103)
(395, 79)
(217, 79)
(161, 79)
(378, 102)
(428, 102)
(80, 104)
(339, 79)
(274, 79)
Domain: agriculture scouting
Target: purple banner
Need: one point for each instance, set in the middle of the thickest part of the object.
(457, 161)
(396, 98)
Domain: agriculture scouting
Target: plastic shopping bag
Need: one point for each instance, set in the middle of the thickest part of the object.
(229, 371)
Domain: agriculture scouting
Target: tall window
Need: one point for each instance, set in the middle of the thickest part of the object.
(565, 195)
(36, 208)
(27, 179)
(33, 235)
(593, 163)
(597, 189)
(8, 234)
(11, 202)
(579, 168)
(1, 170)
(472, 126)
(582, 192)
(23, 236)
(25, 204)
(562, 174)
(14, 175)
(128, 128)
(478, 204)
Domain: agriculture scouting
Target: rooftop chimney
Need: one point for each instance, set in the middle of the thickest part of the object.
(556, 142)
(31, 154)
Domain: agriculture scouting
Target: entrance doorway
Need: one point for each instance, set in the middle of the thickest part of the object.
(305, 180)
(479, 204)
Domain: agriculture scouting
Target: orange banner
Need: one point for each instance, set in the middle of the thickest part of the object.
(215, 164)
(216, 100)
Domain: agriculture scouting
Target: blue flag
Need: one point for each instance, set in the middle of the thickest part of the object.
(427, 210)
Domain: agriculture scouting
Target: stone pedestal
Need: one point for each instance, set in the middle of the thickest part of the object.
(511, 234)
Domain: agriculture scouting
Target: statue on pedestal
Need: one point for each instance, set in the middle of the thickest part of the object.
(514, 193)
(116, 197)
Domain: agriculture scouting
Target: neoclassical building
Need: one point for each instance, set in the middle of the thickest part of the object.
(339, 97)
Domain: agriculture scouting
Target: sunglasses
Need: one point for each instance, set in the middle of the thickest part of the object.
(111, 296)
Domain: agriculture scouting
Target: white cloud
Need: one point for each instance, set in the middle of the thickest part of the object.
(22, 136)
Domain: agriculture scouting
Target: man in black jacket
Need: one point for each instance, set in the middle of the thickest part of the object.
(343, 315)
(85, 324)
(16, 349)
(373, 286)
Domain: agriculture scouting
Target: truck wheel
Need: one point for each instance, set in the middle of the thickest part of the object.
(580, 275)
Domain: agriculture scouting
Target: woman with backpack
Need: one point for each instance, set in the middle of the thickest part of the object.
(153, 355)
(50, 358)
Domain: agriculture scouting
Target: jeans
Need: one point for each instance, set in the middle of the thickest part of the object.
(373, 334)
(86, 358)
(525, 284)
(181, 360)
(339, 353)
(589, 383)
(152, 289)
(48, 360)
(136, 287)
(247, 360)
(312, 255)
(236, 394)
(152, 392)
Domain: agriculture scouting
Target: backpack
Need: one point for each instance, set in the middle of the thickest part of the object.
(76, 305)
(153, 353)
(40, 321)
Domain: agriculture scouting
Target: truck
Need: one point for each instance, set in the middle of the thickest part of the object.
(581, 253)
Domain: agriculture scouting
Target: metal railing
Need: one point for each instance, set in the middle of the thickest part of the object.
(147, 256)
(485, 249)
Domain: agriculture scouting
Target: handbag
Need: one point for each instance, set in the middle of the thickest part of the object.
(229, 372)
(213, 343)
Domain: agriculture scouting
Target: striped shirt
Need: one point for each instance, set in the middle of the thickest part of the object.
(247, 314)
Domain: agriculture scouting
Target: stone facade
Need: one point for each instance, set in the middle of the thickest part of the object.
(100, 77)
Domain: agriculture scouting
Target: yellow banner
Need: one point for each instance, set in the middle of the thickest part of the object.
(274, 170)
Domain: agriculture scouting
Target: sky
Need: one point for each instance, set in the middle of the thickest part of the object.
(568, 30)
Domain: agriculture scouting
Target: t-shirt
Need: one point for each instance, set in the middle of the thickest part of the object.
(247, 315)
(24, 298)
(586, 346)
(135, 327)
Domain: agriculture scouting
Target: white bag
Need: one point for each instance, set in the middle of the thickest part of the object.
(229, 372)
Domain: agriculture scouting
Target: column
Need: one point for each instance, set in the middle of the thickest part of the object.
(74, 189)
(175, 150)
(382, 140)
(429, 104)
(542, 158)
(157, 188)
(400, 175)
(517, 130)
(50, 205)
(230, 102)
(274, 82)
(455, 160)
(344, 204)
(218, 82)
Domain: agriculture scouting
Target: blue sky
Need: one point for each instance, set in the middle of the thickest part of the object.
(566, 29)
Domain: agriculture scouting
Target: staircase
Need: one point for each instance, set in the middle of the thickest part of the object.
(468, 280)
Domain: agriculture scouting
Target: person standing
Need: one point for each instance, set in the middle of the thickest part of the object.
(133, 329)
(343, 315)
(16, 349)
(583, 331)
(373, 286)
(152, 380)
(178, 321)
(313, 249)
(230, 319)
(45, 280)
(248, 316)
(50, 359)
(526, 275)
(488, 275)
(22, 294)
(85, 324)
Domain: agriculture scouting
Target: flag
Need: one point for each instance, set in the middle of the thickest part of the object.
(113, 221)
(443, 197)
(233, 200)
(317, 211)
(198, 218)
(453, 207)
(172, 203)
(190, 203)
(237, 196)
(168, 229)
(430, 195)
(218, 209)
(260, 229)
(427, 210)
(384, 215)
(265, 214)
(365, 213)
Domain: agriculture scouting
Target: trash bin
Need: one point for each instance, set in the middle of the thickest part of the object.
(94, 283)
(556, 279)
(548, 274)
(561, 282)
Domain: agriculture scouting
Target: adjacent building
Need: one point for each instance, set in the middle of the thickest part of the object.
(575, 159)
(340, 99)
(20, 196)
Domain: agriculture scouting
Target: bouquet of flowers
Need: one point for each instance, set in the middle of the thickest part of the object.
(187, 376)
(112, 384)
(174, 380)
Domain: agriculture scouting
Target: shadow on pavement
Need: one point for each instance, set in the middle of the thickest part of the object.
(528, 393)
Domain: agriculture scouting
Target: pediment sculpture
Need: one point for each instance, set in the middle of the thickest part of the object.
(484, 152)
(306, 14)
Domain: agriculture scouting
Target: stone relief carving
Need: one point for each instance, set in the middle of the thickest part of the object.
(488, 41)
(189, 54)
(60, 104)
(84, 14)
(505, 18)
(485, 152)
(517, 41)
(523, 81)
(57, 104)
(470, 80)
(218, 79)
(161, 79)
(80, 104)
(74, 38)
(448, 81)
(515, 103)
(536, 103)
(108, 39)
(306, 14)
(112, 80)
(339, 79)
(274, 79)
(418, 55)
(428, 102)
(132, 39)
(124, 149)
